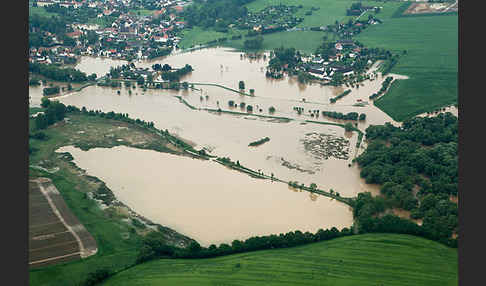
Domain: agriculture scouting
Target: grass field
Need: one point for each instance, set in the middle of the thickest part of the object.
(142, 12)
(430, 63)
(41, 11)
(370, 259)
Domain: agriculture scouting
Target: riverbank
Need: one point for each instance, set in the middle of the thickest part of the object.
(117, 229)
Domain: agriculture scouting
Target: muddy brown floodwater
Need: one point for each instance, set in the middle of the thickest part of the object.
(297, 151)
(177, 192)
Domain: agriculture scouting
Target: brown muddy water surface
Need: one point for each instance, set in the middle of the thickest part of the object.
(205, 200)
(287, 154)
(297, 150)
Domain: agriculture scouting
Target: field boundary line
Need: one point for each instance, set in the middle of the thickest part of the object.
(52, 190)
(54, 258)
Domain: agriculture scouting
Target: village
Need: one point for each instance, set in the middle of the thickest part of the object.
(130, 36)
(271, 19)
(338, 62)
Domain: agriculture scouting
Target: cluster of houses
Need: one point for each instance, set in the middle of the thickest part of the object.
(320, 68)
(53, 55)
(278, 17)
(130, 36)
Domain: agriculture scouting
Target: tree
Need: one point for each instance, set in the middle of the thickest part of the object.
(140, 80)
(271, 109)
(45, 102)
(241, 84)
(166, 67)
(249, 108)
(40, 121)
(313, 186)
(252, 91)
(348, 127)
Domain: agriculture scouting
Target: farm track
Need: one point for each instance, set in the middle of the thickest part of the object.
(55, 234)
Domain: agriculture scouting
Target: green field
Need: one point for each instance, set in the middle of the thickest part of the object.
(197, 35)
(41, 11)
(142, 12)
(430, 63)
(369, 259)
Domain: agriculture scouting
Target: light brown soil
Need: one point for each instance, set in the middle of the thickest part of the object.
(422, 8)
(55, 234)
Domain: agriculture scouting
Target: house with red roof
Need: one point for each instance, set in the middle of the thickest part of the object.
(76, 34)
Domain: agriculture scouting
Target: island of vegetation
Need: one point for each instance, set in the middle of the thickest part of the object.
(259, 142)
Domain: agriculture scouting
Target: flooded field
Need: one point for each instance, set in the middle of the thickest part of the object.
(298, 150)
(226, 67)
(35, 92)
(290, 154)
(98, 65)
(228, 135)
(178, 192)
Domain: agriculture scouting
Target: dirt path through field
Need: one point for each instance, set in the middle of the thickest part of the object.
(49, 190)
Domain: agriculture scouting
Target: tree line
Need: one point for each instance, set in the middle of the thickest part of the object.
(154, 244)
(383, 88)
(348, 116)
(341, 95)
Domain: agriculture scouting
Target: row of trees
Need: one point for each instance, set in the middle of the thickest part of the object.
(341, 95)
(383, 88)
(154, 244)
(348, 116)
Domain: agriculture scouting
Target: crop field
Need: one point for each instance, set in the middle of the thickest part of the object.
(197, 35)
(50, 241)
(369, 259)
(430, 62)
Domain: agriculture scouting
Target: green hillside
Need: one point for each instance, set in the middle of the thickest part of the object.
(369, 259)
